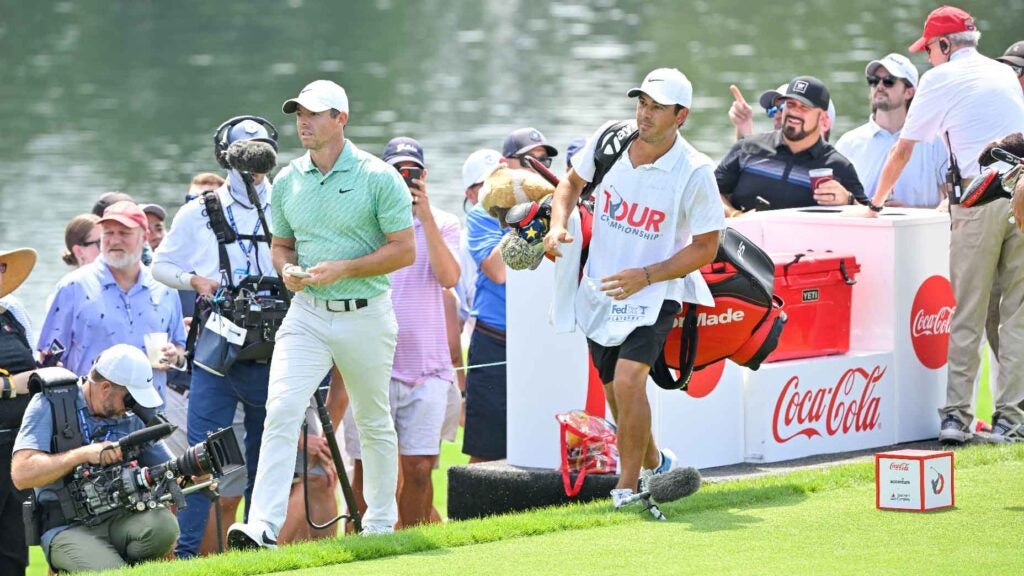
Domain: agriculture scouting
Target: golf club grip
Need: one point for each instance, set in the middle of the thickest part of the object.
(1004, 156)
(541, 169)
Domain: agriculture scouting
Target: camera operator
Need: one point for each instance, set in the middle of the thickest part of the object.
(215, 244)
(126, 537)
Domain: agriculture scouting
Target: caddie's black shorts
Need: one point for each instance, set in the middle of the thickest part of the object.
(643, 345)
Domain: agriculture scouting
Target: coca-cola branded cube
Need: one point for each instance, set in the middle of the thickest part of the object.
(915, 480)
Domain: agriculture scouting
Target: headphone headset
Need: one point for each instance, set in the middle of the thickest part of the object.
(944, 46)
(220, 137)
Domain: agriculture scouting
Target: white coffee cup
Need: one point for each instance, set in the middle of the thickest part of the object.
(155, 342)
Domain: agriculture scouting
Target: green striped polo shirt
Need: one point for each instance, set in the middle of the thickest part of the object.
(340, 216)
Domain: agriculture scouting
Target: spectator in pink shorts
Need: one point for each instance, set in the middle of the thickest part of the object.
(422, 377)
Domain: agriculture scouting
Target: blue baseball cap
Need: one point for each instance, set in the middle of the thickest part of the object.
(403, 149)
(250, 130)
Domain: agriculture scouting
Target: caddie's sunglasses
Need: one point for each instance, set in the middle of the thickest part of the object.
(545, 160)
(888, 81)
(775, 110)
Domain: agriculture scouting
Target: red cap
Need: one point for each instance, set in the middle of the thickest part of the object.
(942, 21)
(128, 213)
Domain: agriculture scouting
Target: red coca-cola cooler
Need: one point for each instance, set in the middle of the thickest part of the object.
(817, 289)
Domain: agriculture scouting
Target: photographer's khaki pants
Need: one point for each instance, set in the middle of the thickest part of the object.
(985, 251)
(125, 539)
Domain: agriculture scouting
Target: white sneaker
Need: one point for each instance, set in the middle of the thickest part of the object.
(622, 497)
(249, 537)
(377, 530)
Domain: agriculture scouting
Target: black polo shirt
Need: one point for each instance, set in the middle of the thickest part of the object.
(762, 165)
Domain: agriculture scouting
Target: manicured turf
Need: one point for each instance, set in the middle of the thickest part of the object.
(808, 522)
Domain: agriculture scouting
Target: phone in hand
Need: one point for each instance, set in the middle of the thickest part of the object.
(53, 354)
(410, 173)
(296, 272)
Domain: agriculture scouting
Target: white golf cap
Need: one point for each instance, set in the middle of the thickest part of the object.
(319, 96)
(898, 65)
(479, 166)
(666, 86)
(128, 366)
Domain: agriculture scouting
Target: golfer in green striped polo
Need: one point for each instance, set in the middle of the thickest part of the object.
(342, 223)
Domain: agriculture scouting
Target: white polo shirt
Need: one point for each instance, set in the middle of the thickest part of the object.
(867, 147)
(192, 246)
(973, 97)
(644, 215)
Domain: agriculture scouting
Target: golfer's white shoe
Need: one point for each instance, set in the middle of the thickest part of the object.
(377, 530)
(248, 537)
(622, 497)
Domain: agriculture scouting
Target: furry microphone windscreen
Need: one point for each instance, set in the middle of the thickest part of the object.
(518, 254)
(674, 484)
(252, 156)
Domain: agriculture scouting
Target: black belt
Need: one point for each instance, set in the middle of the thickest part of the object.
(486, 330)
(7, 436)
(350, 305)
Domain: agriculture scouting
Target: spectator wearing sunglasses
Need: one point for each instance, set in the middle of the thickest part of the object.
(527, 142)
(770, 171)
(892, 81)
(82, 240)
(1014, 58)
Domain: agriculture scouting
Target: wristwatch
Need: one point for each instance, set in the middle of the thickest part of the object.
(874, 208)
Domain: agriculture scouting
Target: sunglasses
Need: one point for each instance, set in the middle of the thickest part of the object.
(545, 160)
(774, 110)
(95, 243)
(888, 81)
(1018, 70)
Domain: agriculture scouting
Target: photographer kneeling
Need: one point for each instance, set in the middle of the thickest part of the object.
(44, 460)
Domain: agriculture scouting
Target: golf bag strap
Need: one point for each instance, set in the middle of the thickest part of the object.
(660, 372)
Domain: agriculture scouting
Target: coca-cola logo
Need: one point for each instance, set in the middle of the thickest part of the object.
(850, 406)
(930, 318)
(899, 466)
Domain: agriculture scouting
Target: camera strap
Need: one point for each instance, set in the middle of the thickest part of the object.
(67, 430)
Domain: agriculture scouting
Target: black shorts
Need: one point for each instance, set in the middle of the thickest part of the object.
(643, 345)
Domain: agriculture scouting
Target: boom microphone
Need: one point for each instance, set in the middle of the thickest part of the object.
(251, 156)
(668, 487)
(146, 435)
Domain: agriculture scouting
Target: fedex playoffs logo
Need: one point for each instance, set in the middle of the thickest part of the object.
(930, 319)
(630, 217)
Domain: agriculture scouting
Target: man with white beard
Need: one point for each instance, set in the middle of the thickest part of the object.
(115, 300)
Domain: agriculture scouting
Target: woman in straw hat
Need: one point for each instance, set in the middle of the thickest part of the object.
(16, 365)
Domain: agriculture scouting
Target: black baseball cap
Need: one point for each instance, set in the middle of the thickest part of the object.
(523, 140)
(403, 149)
(1014, 54)
(808, 90)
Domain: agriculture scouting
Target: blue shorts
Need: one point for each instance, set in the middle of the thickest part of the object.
(486, 402)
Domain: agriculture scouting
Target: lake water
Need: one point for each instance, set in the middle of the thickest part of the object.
(116, 95)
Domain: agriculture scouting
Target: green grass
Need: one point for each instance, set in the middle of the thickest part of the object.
(749, 498)
(812, 521)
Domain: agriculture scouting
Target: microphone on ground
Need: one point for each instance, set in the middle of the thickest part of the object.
(668, 487)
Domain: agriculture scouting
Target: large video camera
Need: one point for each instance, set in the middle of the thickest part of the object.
(98, 492)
